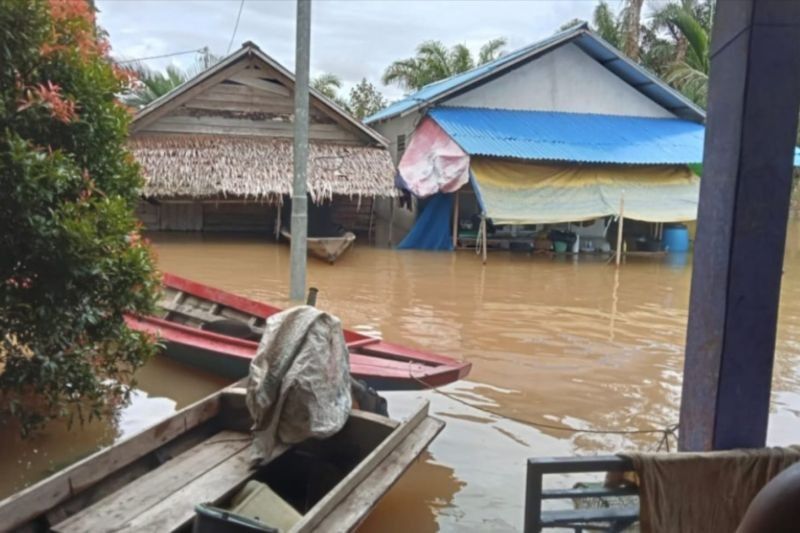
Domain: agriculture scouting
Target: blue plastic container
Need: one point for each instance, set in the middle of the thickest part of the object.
(676, 239)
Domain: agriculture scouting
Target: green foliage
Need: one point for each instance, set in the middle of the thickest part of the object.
(365, 100)
(435, 62)
(329, 84)
(154, 84)
(72, 261)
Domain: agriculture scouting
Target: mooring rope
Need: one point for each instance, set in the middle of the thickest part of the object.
(663, 442)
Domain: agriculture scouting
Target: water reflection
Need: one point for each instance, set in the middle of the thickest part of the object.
(164, 387)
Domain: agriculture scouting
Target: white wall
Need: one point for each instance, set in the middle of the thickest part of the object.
(397, 126)
(565, 79)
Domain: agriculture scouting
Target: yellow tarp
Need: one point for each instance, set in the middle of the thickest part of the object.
(524, 193)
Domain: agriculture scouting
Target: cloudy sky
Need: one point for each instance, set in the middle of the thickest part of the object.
(350, 38)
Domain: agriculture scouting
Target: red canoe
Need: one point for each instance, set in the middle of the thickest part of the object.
(189, 307)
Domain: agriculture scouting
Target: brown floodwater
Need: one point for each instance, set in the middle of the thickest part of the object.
(556, 341)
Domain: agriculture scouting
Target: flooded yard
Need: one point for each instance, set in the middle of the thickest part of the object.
(554, 342)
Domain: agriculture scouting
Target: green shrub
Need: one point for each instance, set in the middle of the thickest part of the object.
(71, 259)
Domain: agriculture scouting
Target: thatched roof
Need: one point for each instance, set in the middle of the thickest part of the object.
(258, 168)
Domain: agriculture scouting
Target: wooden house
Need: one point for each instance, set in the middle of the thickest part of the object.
(217, 153)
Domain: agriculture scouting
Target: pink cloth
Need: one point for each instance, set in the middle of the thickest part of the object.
(433, 162)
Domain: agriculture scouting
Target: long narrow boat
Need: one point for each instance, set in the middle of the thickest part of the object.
(154, 480)
(326, 248)
(219, 331)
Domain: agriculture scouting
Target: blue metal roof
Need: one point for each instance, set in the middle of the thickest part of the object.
(591, 43)
(574, 137)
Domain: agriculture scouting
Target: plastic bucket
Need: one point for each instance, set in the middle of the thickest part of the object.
(676, 239)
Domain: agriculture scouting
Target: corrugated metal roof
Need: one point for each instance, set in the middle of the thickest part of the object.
(591, 43)
(574, 137)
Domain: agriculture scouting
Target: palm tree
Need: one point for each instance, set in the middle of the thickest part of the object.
(632, 14)
(690, 22)
(434, 62)
(154, 84)
(328, 84)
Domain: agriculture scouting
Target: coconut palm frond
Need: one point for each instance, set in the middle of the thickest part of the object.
(491, 50)
(460, 59)
(690, 81)
(327, 84)
(606, 25)
(697, 38)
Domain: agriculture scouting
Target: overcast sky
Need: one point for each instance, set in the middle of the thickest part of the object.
(350, 38)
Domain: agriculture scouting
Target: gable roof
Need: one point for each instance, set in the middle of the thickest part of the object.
(217, 73)
(573, 137)
(588, 41)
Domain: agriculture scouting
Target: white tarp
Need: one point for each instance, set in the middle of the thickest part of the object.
(299, 384)
(527, 193)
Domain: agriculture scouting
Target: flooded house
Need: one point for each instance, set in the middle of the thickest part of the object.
(565, 134)
(216, 153)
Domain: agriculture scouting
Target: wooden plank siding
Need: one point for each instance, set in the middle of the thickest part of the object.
(244, 216)
(252, 103)
(247, 216)
(352, 214)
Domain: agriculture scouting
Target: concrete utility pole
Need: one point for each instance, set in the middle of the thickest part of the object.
(299, 200)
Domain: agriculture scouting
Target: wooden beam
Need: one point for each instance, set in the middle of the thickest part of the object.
(754, 95)
(455, 222)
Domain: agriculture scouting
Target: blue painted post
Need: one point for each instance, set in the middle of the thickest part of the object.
(754, 95)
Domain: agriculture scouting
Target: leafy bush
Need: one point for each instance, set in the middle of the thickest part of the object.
(72, 262)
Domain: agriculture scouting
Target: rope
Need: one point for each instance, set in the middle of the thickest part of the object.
(663, 443)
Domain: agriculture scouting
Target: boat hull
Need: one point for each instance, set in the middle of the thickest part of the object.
(384, 366)
(327, 248)
(153, 480)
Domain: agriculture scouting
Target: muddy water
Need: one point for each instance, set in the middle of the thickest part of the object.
(554, 342)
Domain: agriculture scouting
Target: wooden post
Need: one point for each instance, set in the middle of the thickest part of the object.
(455, 221)
(754, 95)
(391, 220)
(619, 227)
(483, 238)
(278, 221)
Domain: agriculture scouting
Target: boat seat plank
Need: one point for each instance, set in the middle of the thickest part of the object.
(117, 509)
(177, 510)
(357, 505)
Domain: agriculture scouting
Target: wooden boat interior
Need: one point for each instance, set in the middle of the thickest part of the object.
(154, 480)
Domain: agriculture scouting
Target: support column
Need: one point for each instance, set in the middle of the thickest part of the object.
(754, 95)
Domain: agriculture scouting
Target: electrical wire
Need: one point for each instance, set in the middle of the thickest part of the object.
(160, 56)
(235, 27)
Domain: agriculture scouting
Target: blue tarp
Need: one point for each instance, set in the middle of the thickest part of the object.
(432, 230)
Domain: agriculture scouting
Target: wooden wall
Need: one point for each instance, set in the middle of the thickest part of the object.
(249, 102)
(352, 214)
(244, 216)
(207, 216)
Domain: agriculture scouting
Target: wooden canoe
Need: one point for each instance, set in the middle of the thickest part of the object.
(326, 248)
(153, 481)
(189, 309)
